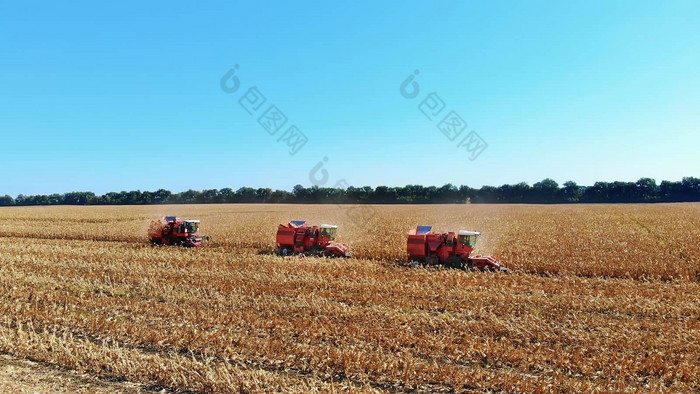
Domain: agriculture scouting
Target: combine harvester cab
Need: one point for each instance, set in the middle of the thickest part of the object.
(453, 250)
(297, 237)
(172, 230)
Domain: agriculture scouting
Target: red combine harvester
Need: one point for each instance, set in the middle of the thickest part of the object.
(174, 231)
(449, 249)
(297, 237)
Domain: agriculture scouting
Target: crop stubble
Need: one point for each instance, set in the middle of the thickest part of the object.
(602, 297)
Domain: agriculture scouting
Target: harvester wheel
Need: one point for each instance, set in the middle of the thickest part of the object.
(453, 262)
(284, 251)
(468, 265)
(316, 250)
(155, 241)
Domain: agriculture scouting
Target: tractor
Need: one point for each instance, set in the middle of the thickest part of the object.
(298, 237)
(172, 230)
(452, 250)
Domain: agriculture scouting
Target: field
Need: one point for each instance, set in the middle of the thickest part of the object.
(601, 297)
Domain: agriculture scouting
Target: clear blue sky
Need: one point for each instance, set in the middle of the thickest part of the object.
(125, 96)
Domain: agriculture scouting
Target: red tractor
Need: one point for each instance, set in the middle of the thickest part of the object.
(449, 249)
(297, 237)
(172, 230)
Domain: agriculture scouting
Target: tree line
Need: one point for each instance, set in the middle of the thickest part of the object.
(545, 192)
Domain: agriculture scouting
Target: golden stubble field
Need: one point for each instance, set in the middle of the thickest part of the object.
(601, 297)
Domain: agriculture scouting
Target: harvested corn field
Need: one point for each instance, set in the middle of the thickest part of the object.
(600, 297)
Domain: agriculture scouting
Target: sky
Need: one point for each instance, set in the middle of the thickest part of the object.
(138, 95)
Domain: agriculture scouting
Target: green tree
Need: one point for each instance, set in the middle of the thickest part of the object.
(6, 201)
(571, 192)
(227, 195)
(546, 191)
(263, 194)
(646, 190)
